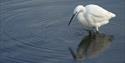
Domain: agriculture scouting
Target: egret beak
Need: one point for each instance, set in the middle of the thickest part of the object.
(72, 17)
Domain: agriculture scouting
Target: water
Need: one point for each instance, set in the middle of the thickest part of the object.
(91, 46)
(36, 31)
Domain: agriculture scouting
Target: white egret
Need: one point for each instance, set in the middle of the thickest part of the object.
(92, 16)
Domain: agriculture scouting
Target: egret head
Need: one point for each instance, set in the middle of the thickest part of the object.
(77, 10)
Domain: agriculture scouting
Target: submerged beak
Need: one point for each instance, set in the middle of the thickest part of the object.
(72, 18)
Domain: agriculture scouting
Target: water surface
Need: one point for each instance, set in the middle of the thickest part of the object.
(36, 31)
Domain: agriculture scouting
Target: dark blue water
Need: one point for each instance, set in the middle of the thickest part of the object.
(36, 31)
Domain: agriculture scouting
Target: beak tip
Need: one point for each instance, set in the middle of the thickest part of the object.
(72, 18)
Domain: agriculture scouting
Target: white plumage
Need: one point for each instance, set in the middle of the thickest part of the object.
(92, 16)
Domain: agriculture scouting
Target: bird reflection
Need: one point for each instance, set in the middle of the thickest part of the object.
(91, 45)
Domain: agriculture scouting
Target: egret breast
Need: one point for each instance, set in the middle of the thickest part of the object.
(82, 19)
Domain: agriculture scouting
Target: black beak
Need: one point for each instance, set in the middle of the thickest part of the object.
(72, 18)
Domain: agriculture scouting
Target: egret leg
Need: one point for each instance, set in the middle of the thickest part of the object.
(97, 30)
(91, 33)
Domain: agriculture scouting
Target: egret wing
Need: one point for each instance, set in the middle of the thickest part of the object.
(97, 12)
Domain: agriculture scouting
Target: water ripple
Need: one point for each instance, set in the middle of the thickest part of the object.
(36, 31)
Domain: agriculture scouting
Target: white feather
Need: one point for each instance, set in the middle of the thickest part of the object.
(93, 16)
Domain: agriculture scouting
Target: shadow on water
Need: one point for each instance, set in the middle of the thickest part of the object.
(91, 46)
